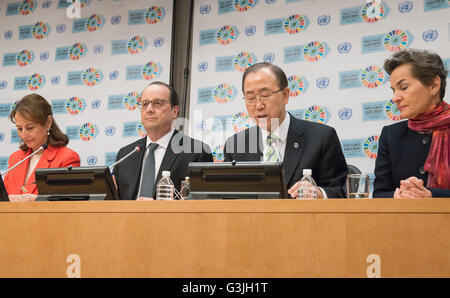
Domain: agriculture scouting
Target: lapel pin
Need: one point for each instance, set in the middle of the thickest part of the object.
(296, 145)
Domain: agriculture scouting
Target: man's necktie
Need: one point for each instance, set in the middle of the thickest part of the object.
(148, 176)
(271, 154)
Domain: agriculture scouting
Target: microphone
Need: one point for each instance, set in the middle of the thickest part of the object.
(274, 146)
(136, 149)
(42, 148)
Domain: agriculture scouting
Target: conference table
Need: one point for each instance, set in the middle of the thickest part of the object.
(226, 238)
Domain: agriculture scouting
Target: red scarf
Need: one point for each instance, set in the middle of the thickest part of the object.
(436, 119)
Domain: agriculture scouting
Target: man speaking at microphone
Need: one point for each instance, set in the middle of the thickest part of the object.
(163, 149)
(43, 146)
(278, 136)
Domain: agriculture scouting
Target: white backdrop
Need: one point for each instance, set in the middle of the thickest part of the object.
(332, 52)
(91, 67)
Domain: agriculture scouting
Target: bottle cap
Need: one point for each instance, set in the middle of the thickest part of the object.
(307, 172)
(166, 173)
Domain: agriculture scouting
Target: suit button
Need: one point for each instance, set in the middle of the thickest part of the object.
(422, 171)
(425, 140)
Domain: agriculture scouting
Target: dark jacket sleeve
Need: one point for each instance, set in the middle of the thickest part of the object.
(383, 185)
(333, 167)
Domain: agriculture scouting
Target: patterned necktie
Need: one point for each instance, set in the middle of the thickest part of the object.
(271, 154)
(148, 176)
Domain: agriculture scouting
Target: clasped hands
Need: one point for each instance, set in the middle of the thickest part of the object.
(412, 188)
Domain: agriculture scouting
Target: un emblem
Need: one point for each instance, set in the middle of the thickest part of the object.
(92, 160)
(96, 104)
(405, 6)
(269, 57)
(8, 34)
(61, 28)
(115, 20)
(110, 131)
(322, 82)
(44, 56)
(159, 42)
(323, 20)
(46, 4)
(202, 66)
(200, 125)
(205, 9)
(3, 84)
(113, 75)
(345, 113)
(430, 35)
(250, 30)
(98, 49)
(55, 80)
(271, 1)
(344, 47)
(2, 136)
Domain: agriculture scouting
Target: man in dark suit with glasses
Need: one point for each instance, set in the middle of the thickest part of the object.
(278, 136)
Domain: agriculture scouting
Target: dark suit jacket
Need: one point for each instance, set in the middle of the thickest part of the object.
(128, 173)
(309, 145)
(401, 154)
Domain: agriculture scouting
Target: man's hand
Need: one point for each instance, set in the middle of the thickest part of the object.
(145, 199)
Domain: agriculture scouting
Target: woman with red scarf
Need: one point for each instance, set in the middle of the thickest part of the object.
(414, 156)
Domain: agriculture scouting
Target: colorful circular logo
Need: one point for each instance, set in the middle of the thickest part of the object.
(91, 77)
(35, 81)
(223, 93)
(154, 15)
(26, 7)
(243, 5)
(77, 51)
(313, 51)
(243, 61)
(370, 147)
(24, 58)
(296, 85)
(392, 111)
(241, 121)
(226, 35)
(316, 114)
(131, 101)
(40, 30)
(141, 130)
(87, 131)
(372, 12)
(218, 154)
(135, 45)
(150, 70)
(74, 105)
(372, 76)
(294, 24)
(395, 40)
(94, 22)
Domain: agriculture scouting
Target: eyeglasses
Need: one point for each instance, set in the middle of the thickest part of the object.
(264, 96)
(156, 103)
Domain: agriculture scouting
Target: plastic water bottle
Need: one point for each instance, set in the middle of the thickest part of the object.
(307, 190)
(165, 187)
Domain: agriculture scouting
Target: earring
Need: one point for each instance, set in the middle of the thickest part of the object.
(48, 132)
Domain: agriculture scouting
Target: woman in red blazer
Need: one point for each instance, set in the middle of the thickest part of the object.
(35, 125)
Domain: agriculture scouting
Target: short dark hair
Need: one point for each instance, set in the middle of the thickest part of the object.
(35, 108)
(426, 66)
(276, 70)
(173, 94)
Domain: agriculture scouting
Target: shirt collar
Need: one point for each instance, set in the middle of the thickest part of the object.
(162, 142)
(281, 132)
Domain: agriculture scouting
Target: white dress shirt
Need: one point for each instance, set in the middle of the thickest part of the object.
(159, 152)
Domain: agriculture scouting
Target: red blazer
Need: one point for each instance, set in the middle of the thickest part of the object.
(53, 157)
